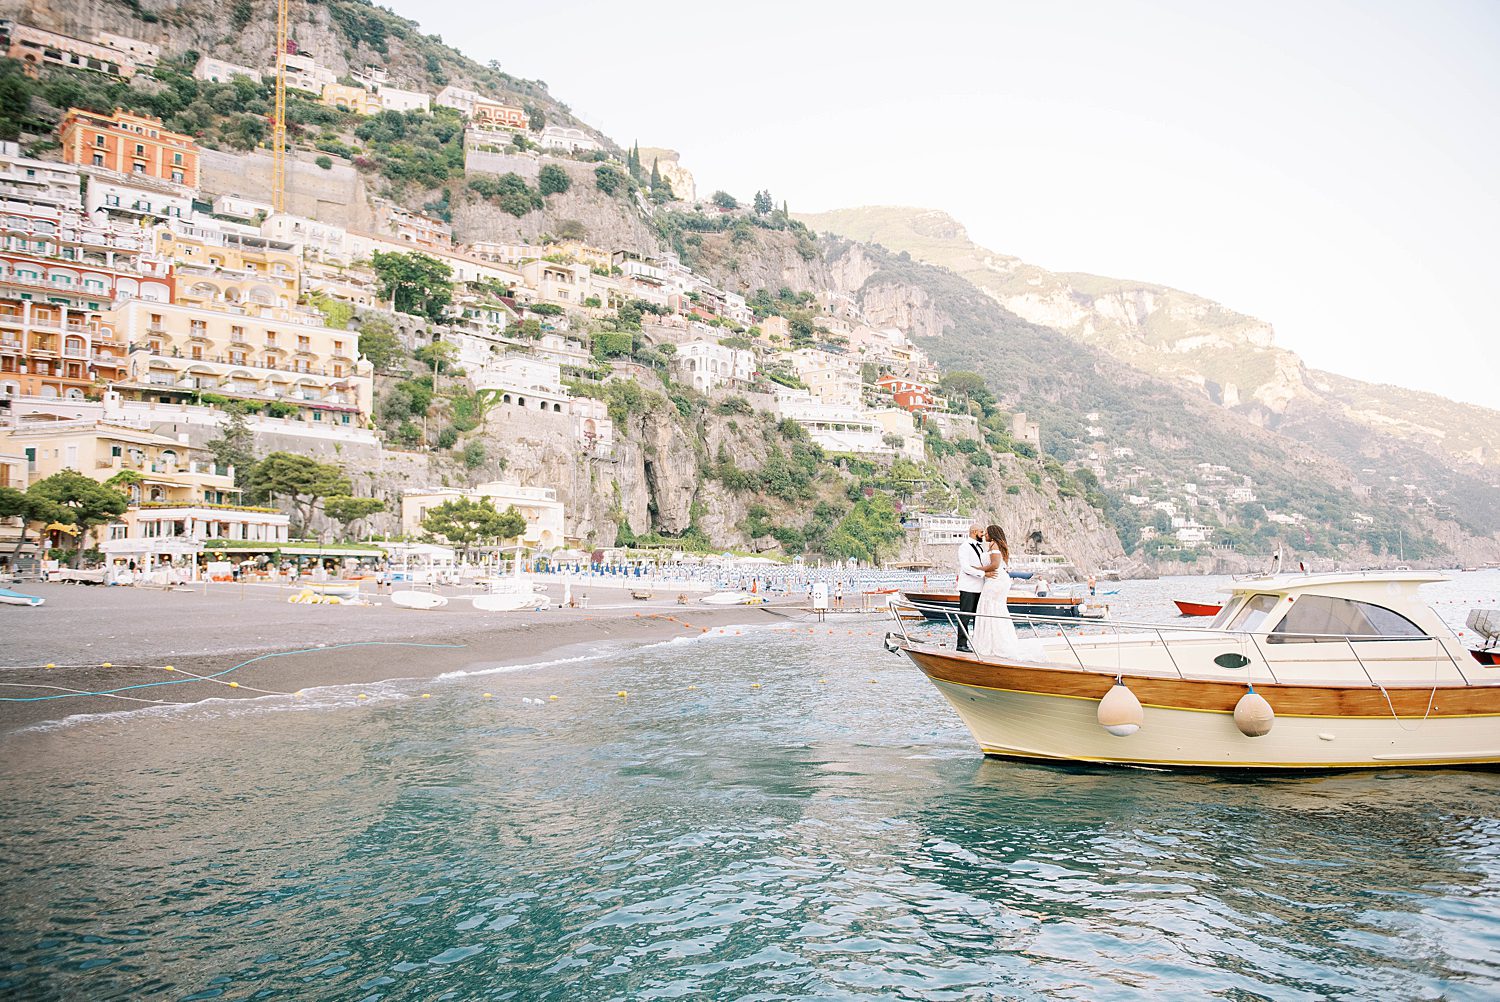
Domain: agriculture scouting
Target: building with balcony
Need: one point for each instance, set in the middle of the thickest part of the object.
(908, 394)
(482, 110)
(522, 381)
(40, 182)
(55, 350)
(544, 514)
(219, 71)
(259, 354)
(831, 379)
(407, 227)
(707, 365)
(34, 48)
(217, 269)
(144, 54)
(179, 498)
(305, 73)
(568, 139)
(129, 144)
(133, 199)
(354, 99)
(396, 99)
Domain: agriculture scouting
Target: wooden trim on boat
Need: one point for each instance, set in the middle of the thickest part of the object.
(1375, 762)
(1334, 702)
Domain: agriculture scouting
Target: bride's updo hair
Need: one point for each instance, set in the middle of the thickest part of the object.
(996, 535)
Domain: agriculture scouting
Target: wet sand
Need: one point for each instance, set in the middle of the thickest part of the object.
(202, 631)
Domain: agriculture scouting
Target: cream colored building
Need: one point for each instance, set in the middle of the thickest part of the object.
(258, 354)
(831, 379)
(228, 271)
(180, 500)
(544, 514)
(355, 99)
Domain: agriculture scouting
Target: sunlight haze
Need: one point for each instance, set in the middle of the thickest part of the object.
(1328, 168)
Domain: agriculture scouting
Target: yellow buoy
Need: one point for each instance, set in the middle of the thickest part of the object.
(692, 687)
(551, 697)
(426, 695)
(234, 685)
(106, 665)
(51, 664)
(169, 668)
(755, 685)
(361, 696)
(489, 695)
(1253, 715)
(822, 681)
(1120, 712)
(621, 694)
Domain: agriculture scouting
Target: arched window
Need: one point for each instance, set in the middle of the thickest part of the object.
(505, 399)
(74, 393)
(557, 408)
(1319, 619)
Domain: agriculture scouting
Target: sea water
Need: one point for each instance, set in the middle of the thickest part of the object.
(786, 813)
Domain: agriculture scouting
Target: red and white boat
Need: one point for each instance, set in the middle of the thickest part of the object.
(1197, 608)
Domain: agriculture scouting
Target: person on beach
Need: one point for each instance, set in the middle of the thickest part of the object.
(994, 633)
(971, 559)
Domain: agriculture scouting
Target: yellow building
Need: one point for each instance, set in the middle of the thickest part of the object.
(227, 271)
(178, 498)
(355, 99)
(286, 358)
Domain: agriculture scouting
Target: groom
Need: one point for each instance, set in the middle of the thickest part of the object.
(970, 584)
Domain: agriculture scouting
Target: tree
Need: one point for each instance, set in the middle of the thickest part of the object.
(235, 444)
(572, 229)
(301, 480)
(535, 117)
(415, 283)
(553, 180)
(763, 203)
(348, 511)
(724, 200)
(465, 522)
(29, 508)
(474, 455)
(324, 162)
(77, 500)
(608, 179)
(378, 342)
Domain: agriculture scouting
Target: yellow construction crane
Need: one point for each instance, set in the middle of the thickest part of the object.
(278, 123)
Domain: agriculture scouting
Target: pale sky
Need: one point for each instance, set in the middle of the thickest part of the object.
(1328, 167)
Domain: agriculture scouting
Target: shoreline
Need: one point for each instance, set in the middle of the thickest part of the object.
(252, 637)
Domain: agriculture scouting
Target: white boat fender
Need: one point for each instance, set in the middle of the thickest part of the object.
(1253, 715)
(1120, 712)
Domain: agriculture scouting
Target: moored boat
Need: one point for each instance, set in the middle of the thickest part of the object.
(1327, 671)
(941, 605)
(1197, 608)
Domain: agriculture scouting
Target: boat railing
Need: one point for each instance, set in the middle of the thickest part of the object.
(1244, 639)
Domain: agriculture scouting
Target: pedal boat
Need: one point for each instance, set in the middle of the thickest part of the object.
(1297, 672)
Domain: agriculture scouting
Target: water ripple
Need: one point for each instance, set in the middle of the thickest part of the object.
(795, 841)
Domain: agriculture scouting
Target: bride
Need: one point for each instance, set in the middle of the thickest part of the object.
(994, 633)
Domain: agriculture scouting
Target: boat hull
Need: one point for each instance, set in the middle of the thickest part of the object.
(1197, 608)
(1034, 712)
(937, 606)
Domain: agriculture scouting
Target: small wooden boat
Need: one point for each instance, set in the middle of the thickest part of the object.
(1275, 689)
(938, 605)
(1196, 608)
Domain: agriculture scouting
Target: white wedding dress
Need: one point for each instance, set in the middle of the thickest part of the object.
(994, 633)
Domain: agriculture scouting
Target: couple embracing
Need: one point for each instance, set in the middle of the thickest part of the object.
(984, 624)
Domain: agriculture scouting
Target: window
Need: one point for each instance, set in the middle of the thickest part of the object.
(140, 150)
(1316, 619)
(98, 140)
(1254, 612)
(99, 162)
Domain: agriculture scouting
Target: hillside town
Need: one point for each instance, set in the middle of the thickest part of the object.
(143, 305)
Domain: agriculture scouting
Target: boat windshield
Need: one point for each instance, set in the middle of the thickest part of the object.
(1221, 621)
(1253, 612)
(1320, 619)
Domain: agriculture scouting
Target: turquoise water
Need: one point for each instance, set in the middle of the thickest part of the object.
(795, 841)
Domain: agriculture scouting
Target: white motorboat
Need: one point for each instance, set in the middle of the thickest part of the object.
(1322, 671)
(418, 600)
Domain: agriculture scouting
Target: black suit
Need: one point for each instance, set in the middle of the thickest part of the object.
(968, 602)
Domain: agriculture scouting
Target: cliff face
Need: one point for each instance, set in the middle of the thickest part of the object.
(611, 222)
(1355, 431)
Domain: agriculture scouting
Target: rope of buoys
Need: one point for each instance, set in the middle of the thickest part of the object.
(215, 675)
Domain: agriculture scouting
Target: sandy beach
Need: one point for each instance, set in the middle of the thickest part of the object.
(206, 630)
